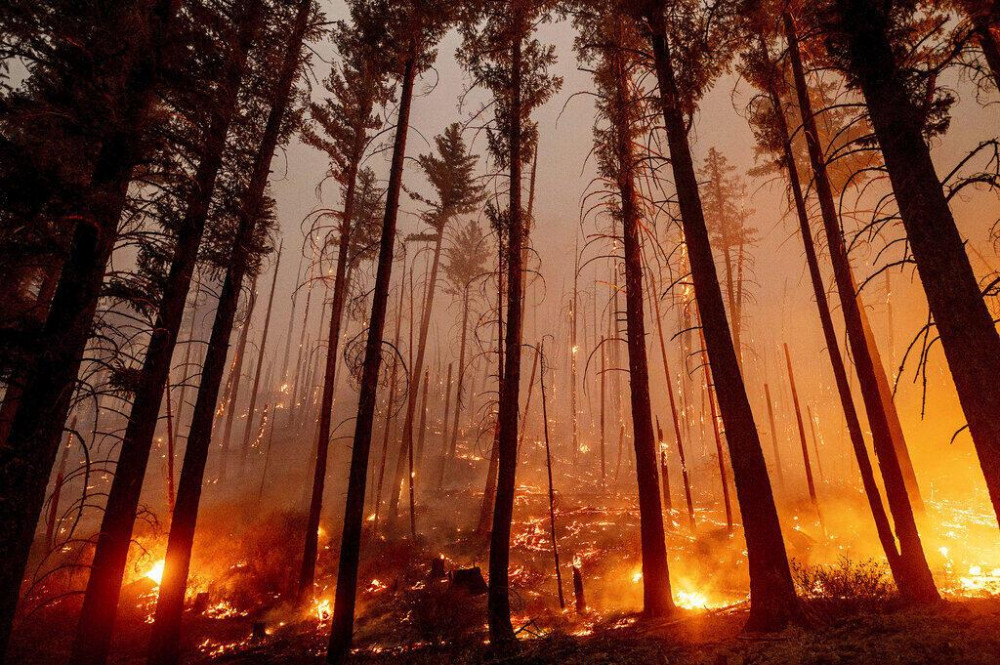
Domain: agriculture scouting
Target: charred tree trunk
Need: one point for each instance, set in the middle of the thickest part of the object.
(657, 600)
(350, 551)
(164, 647)
(773, 603)
(840, 375)
(390, 416)
(417, 369)
(232, 397)
(32, 442)
(527, 401)
(713, 413)
(774, 438)
(459, 399)
(968, 336)
(916, 583)
(248, 429)
(308, 570)
(548, 468)
(51, 528)
(444, 427)
(501, 631)
(810, 483)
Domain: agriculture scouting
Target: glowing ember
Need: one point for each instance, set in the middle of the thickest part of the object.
(156, 572)
(324, 610)
(375, 586)
(636, 576)
(979, 582)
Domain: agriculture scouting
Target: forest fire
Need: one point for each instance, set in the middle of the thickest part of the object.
(499, 331)
(155, 573)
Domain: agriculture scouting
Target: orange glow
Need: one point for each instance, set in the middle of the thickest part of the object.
(156, 572)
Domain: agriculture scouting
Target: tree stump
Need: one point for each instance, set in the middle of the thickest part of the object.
(469, 580)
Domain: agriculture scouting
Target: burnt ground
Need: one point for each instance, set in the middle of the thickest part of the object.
(247, 571)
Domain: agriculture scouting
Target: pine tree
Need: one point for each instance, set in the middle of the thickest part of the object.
(414, 28)
(107, 572)
(500, 51)
(104, 74)
(342, 127)
(165, 640)
(457, 192)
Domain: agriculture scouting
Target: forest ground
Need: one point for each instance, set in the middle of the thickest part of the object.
(246, 562)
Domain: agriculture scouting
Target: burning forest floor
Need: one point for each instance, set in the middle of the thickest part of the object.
(244, 573)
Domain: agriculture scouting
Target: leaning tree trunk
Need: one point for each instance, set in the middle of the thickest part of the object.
(501, 631)
(968, 336)
(164, 645)
(342, 627)
(773, 603)
(32, 443)
(918, 585)
(307, 574)
(657, 601)
(100, 602)
(882, 525)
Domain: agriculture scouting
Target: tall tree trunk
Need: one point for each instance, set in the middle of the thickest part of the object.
(51, 529)
(342, 626)
(713, 413)
(248, 429)
(32, 442)
(840, 375)
(501, 631)
(657, 600)
(308, 570)
(527, 402)
(774, 438)
(772, 595)
(917, 583)
(297, 382)
(390, 414)
(552, 491)
(668, 377)
(164, 646)
(189, 344)
(291, 327)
